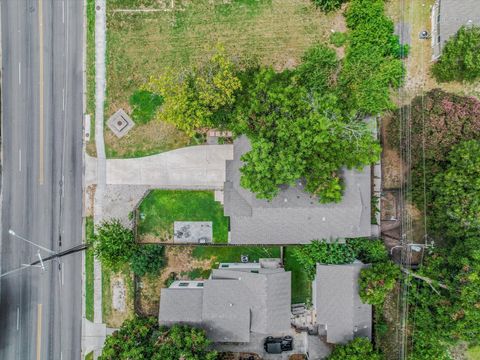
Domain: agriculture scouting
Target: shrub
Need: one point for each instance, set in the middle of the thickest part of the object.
(357, 349)
(460, 59)
(144, 104)
(377, 281)
(328, 5)
(148, 259)
(338, 38)
(114, 244)
(324, 253)
(367, 250)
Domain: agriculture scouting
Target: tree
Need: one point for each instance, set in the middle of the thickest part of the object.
(377, 281)
(318, 68)
(148, 259)
(460, 58)
(357, 349)
(457, 191)
(143, 339)
(295, 136)
(367, 250)
(193, 98)
(114, 244)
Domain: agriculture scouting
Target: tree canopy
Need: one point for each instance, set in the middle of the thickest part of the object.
(460, 58)
(377, 281)
(457, 191)
(143, 339)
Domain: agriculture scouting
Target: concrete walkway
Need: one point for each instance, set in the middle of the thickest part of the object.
(193, 167)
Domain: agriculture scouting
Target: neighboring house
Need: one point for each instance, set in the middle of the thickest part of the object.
(237, 299)
(340, 313)
(294, 216)
(448, 16)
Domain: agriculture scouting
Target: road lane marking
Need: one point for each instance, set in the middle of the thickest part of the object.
(20, 160)
(41, 127)
(19, 73)
(63, 99)
(18, 318)
(39, 331)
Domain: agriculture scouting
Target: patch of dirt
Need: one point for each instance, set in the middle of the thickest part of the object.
(179, 260)
(392, 175)
(154, 239)
(238, 356)
(116, 316)
(388, 342)
(89, 199)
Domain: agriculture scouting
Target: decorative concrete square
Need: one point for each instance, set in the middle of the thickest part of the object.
(197, 232)
(120, 123)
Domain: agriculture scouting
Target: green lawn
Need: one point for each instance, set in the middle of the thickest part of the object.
(301, 285)
(233, 253)
(473, 353)
(162, 207)
(90, 70)
(89, 271)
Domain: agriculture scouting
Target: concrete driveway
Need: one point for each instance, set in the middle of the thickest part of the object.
(193, 167)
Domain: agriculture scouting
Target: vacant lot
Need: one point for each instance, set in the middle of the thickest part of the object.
(161, 208)
(180, 34)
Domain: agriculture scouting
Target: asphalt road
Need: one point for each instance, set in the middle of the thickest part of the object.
(42, 50)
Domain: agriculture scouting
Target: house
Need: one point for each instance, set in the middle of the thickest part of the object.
(294, 216)
(448, 16)
(340, 313)
(237, 300)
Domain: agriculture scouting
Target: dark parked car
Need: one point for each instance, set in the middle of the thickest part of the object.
(277, 345)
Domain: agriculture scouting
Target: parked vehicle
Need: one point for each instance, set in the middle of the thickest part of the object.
(276, 345)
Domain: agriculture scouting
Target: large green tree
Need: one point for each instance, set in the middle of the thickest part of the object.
(457, 191)
(460, 59)
(377, 281)
(294, 136)
(143, 339)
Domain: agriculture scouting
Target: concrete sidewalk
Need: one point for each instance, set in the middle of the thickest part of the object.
(193, 167)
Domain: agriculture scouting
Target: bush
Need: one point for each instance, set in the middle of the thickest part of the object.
(357, 349)
(338, 38)
(328, 5)
(144, 104)
(148, 259)
(460, 58)
(114, 244)
(377, 281)
(367, 250)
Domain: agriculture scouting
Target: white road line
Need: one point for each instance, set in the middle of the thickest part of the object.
(19, 72)
(63, 99)
(18, 318)
(20, 160)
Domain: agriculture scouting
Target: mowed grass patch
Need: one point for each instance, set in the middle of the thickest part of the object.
(161, 208)
(144, 44)
(112, 317)
(473, 353)
(227, 254)
(301, 285)
(90, 73)
(89, 271)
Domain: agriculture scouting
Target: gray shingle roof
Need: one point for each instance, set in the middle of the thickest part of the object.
(449, 16)
(338, 305)
(232, 304)
(294, 216)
